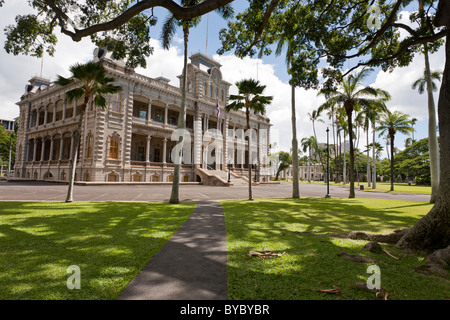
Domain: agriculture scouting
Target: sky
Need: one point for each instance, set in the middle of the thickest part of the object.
(15, 71)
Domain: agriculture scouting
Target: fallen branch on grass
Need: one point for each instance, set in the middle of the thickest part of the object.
(359, 235)
(335, 290)
(265, 254)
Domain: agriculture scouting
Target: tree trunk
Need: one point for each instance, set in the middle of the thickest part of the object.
(335, 155)
(392, 162)
(340, 171)
(73, 162)
(432, 136)
(374, 168)
(344, 165)
(368, 153)
(249, 137)
(433, 230)
(295, 174)
(174, 196)
(352, 155)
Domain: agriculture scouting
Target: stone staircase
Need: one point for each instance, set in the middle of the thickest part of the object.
(220, 178)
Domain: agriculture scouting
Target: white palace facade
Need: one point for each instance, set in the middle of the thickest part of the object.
(132, 140)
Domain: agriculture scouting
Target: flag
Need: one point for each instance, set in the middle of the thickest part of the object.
(217, 107)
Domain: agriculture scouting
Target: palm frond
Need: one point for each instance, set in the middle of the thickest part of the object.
(168, 31)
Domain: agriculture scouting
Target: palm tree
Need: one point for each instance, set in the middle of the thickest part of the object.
(251, 99)
(351, 97)
(295, 151)
(390, 124)
(426, 81)
(309, 144)
(370, 114)
(333, 116)
(90, 82)
(168, 31)
(314, 117)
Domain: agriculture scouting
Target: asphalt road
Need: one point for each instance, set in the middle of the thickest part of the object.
(47, 191)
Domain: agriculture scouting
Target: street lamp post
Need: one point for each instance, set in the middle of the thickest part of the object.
(229, 163)
(328, 166)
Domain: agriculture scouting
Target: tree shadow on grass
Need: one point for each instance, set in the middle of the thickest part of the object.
(110, 242)
(298, 228)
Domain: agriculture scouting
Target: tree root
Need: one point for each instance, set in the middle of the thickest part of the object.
(392, 238)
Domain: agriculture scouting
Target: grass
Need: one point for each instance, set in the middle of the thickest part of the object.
(401, 188)
(109, 242)
(310, 261)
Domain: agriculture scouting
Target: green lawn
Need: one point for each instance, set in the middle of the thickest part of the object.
(310, 261)
(109, 242)
(402, 188)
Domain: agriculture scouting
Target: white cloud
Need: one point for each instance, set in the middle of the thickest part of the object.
(279, 112)
(398, 83)
(15, 71)
(164, 63)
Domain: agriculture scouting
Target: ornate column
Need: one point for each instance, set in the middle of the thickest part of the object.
(64, 109)
(166, 112)
(54, 113)
(164, 150)
(75, 108)
(45, 115)
(52, 141)
(149, 112)
(71, 146)
(42, 149)
(147, 151)
(34, 149)
(61, 146)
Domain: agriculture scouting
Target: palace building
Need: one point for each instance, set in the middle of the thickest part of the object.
(135, 137)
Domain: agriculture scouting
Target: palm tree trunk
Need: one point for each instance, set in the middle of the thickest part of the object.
(432, 136)
(335, 154)
(392, 162)
(433, 230)
(352, 156)
(374, 168)
(344, 165)
(249, 137)
(174, 197)
(295, 180)
(340, 171)
(368, 152)
(73, 162)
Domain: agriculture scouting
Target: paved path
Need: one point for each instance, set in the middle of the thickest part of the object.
(191, 265)
(45, 191)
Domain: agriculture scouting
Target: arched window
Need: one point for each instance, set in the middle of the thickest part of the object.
(211, 90)
(89, 146)
(222, 96)
(205, 89)
(217, 93)
(114, 147)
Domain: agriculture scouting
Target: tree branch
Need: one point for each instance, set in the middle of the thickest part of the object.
(401, 50)
(263, 23)
(178, 12)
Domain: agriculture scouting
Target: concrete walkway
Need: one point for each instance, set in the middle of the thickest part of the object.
(191, 265)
